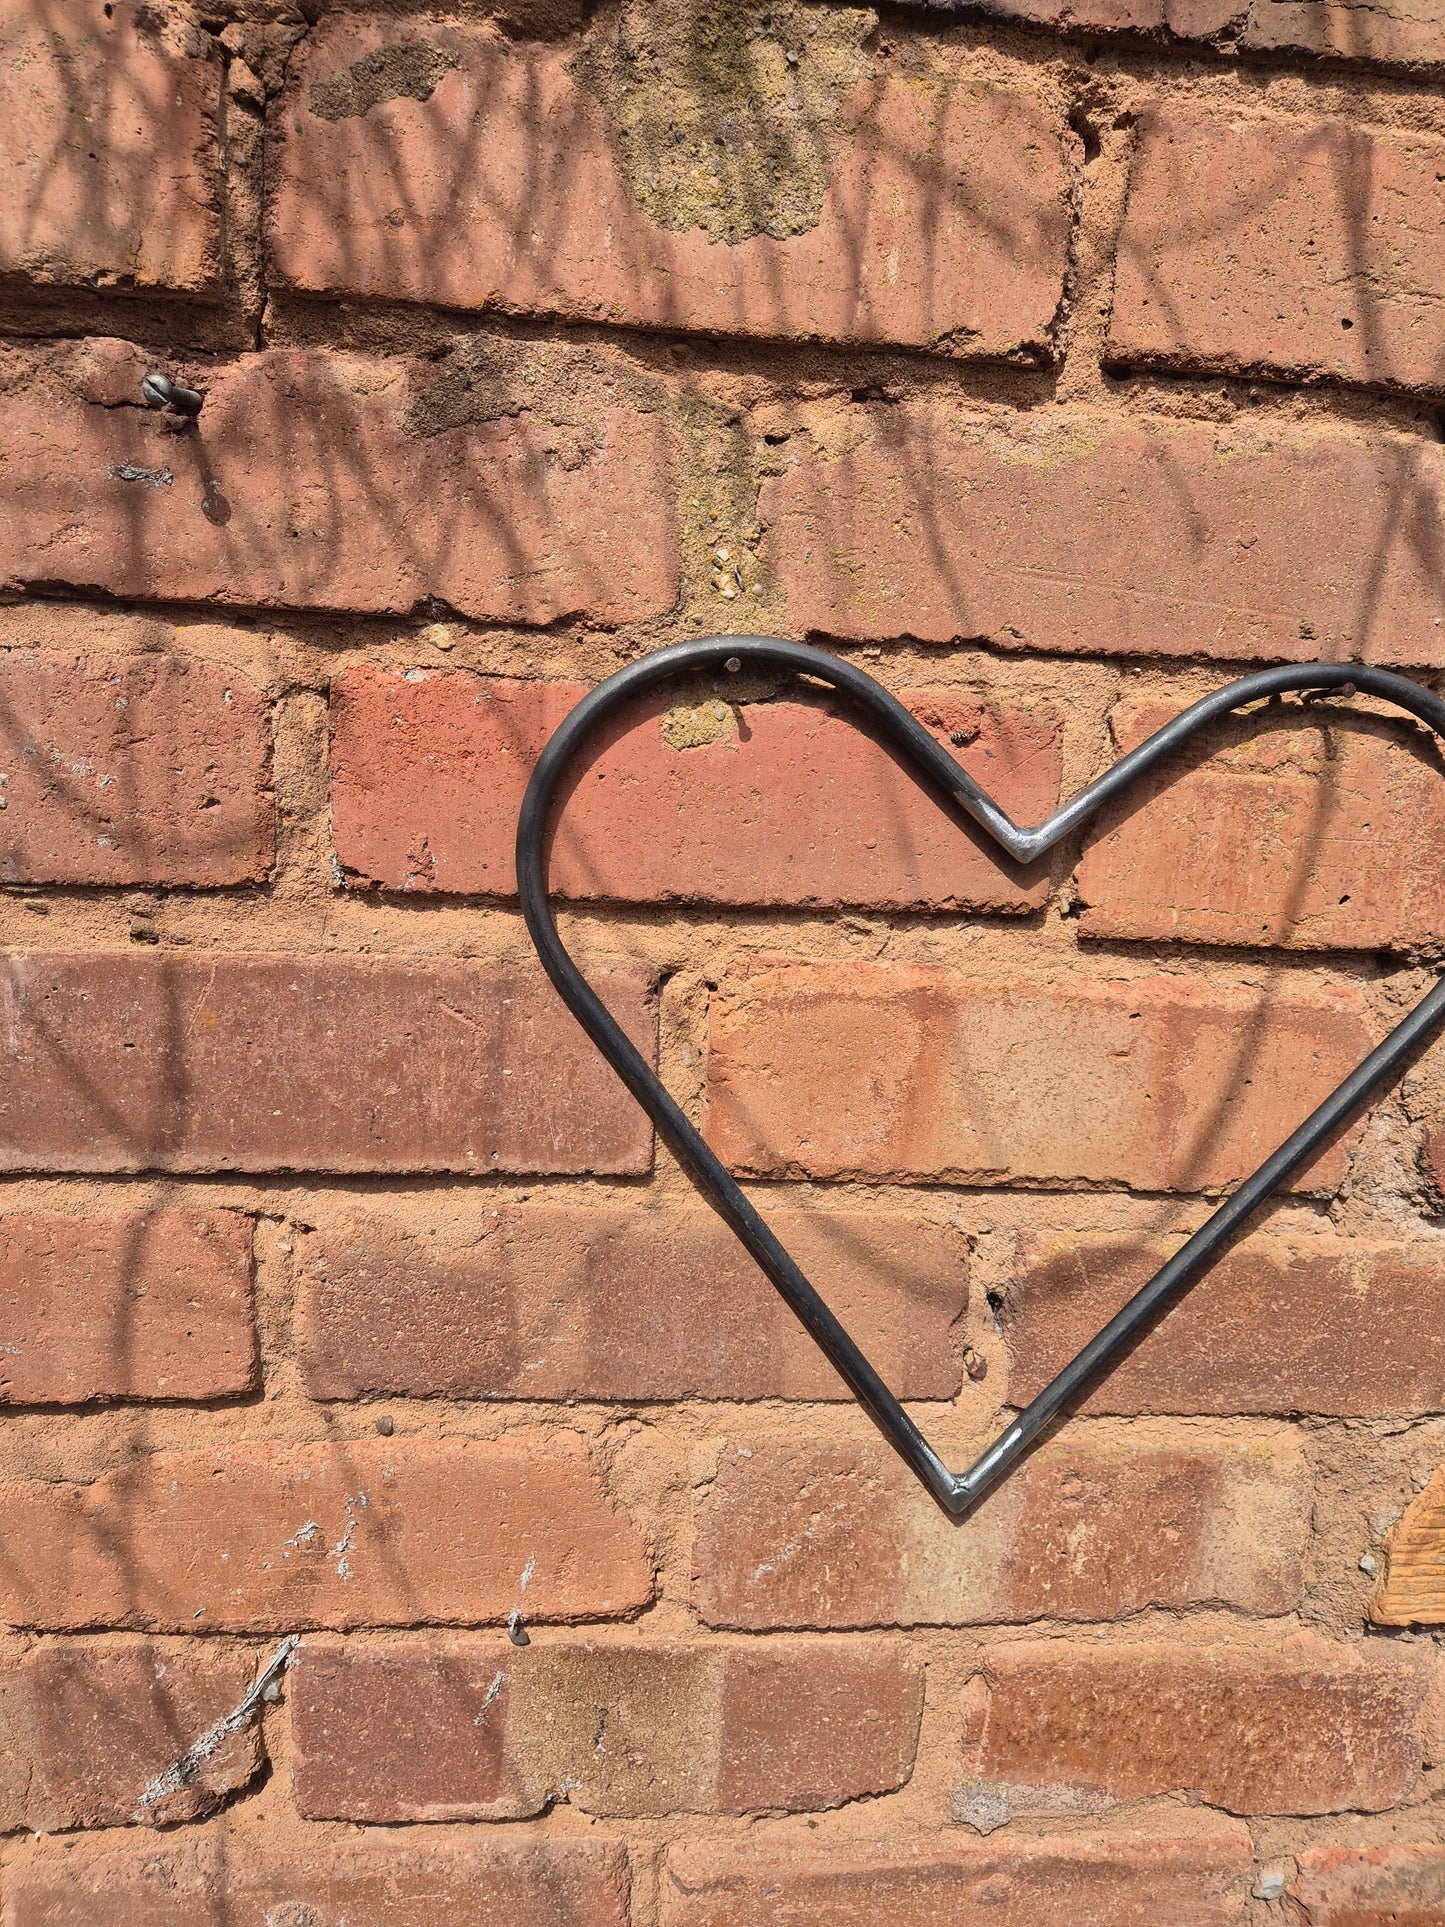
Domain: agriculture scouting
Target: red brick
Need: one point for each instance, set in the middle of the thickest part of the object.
(880, 839)
(109, 143)
(252, 1538)
(145, 769)
(791, 802)
(147, 1305)
(1077, 532)
(833, 1536)
(90, 1731)
(1157, 1082)
(1394, 1886)
(902, 243)
(1223, 214)
(621, 1303)
(191, 1064)
(483, 1730)
(1409, 34)
(1342, 1327)
(1194, 1871)
(1312, 837)
(349, 1883)
(339, 481)
(1306, 1727)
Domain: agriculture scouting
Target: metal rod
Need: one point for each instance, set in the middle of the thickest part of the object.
(957, 1493)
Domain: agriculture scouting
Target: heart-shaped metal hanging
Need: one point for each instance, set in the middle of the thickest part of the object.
(957, 1493)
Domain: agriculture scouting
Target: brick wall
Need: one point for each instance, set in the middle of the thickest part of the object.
(1054, 361)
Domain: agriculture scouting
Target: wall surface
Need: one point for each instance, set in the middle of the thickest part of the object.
(1055, 362)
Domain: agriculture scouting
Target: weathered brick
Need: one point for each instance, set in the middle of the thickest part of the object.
(109, 146)
(349, 1883)
(1344, 1327)
(1156, 19)
(483, 1730)
(146, 769)
(1084, 533)
(835, 1536)
(897, 237)
(366, 1533)
(1411, 1590)
(1157, 1082)
(1196, 1870)
(148, 1305)
(1306, 1727)
(564, 1302)
(118, 1062)
(1392, 1886)
(1410, 33)
(788, 802)
(89, 1731)
(1305, 833)
(341, 481)
(1224, 214)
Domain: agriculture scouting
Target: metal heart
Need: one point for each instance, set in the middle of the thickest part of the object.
(957, 1493)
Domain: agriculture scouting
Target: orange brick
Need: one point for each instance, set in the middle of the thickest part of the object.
(309, 1064)
(252, 1538)
(480, 1730)
(348, 1883)
(1392, 1886)
(1317, 837)
(901, 242)
(360, 483)
(833, 1536)
(1224, 213)
(1196, 1870)
(791, 802)
(1409, 35)
(90, 1732)
(1158, 1082)
(1079, 532)
(146, 1305)
(622, 1303)
(1307, 1727)
(110, 148)
(1344, 1327)
(144, 769)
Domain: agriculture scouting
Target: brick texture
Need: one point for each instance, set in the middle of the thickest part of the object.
(1411, 1590)
(126, 1063)
(1196, 1873)
(153, 1305)
(151, 769)
(1090, 533)
(1308, 1727)
(372, 1532)
(555, 1302)
(424, 1883)
(801, 1534)
(790, 802)
(90, 1732)
(1408, 35)
(1158, 1082)
(109, 146)
(1222, 214)
(1339, 1326)
(483, 1731)
(1394, 1886)
(334, 481)
(902, 242)
(1314, 835)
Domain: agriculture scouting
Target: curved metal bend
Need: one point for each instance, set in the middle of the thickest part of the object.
(956, 1493)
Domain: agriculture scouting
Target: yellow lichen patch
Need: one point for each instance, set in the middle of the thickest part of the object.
(692, 725)
(1412, 1589)
(726, 116)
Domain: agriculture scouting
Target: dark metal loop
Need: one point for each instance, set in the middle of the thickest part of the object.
(159, 391)
(957, 1493)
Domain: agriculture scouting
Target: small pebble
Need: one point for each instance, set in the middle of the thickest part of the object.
(1368, 1564)
(975, 1364)
(386, 1425)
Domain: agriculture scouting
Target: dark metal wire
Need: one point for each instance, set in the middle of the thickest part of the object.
(957, 1493)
